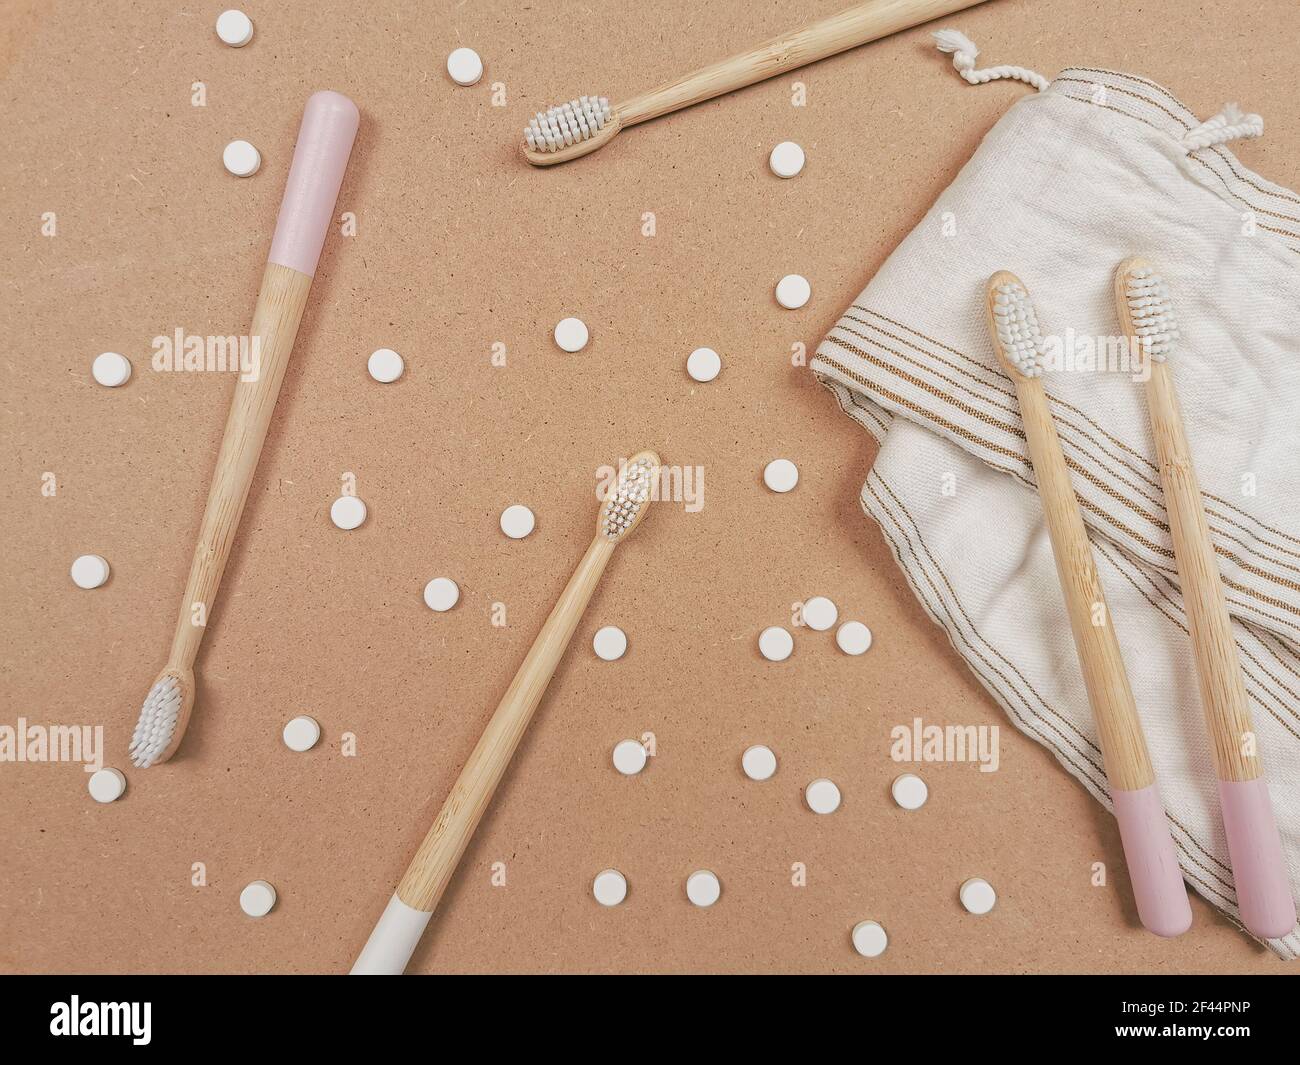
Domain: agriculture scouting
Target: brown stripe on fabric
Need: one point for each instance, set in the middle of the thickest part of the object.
(1101, 785)
(1277, 191)
(1138, 80)
(1122, 92)
(1141, 488)
(1149, 479)
(938, 568)
(956, 638)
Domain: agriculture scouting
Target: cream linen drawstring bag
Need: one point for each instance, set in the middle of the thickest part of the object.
(1093, 168)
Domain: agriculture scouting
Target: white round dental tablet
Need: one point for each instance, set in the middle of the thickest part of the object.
(775, 643)
(107, 785)
(793, 291)
(869, 939)
(241, 159)
(758, 762)
(111, 369)
(978, 896)
(819, 613)
(464, 66)
(441, 593)
(909, 791)
(853, 638)
(517, 521)
(704, 364)
(609, 887)
(786, 159)
(822, 796)
(302, 733)
(609, 643)
(257, 899)
(781, 475)
(385, 365)
(348, 512)
(629, 757)
(234, 28)
(89, 571)
(703, 888)
(571, 334)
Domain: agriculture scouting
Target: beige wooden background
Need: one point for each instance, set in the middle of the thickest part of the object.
(460, 245)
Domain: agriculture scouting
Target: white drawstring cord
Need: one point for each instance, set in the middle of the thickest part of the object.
(1228, 125)
(965, 53)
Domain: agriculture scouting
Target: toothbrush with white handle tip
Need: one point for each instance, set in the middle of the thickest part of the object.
(1258, 866)
(404, 920)
(572, 129)
(329, 126)
(1158, 886)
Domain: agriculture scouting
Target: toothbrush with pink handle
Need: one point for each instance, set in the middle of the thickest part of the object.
(329, 126)
(1258, 867)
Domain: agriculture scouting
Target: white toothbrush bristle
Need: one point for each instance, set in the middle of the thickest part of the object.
(1017, 328)
(626, 499)
(566, 124)
(153, 732)
(1151, 312)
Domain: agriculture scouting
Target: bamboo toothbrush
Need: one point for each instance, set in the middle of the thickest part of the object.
(329, 126)
(1263, 891)
(589, 122)
(1148, 848)
(402, 923)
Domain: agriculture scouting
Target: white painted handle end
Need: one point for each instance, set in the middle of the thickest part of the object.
(393, 941)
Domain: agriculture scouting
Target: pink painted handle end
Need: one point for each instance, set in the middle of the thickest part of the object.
(329, 126)
(1263, 889)
(1158, 884)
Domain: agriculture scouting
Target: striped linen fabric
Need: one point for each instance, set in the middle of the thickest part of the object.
(1067, 184)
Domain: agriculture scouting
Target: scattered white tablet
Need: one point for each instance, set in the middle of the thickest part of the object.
(822, 796)
(441, 594)
(793, 291)
(609, 887)
(348, 512)
(758, 762)
(786, 160)
(111, 369)
(517, 521)
(609, 643)
(464, 66)
(234, 28)
(869, 939)
(107, 785)
(853, 638)
(781, 475)
(571, 334)
(629, 757)
(302, 733)
(703, 364)
(819, 613)
(978, 896)
(909, 791)
(385, 365)
(241, 159)
(703, 888)
(775, 644)
(89, 571)
(258, 899)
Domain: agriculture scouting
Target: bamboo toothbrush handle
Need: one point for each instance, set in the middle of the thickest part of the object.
(279, 309)
(848, 29)
(1259, 869)
(399, 929)
(1144, 830)
(329, 126)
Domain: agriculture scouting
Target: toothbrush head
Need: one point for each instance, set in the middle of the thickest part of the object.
(629, 498)
(1013, 324)
(1145, 309)
(163, 718)
(569, 130)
